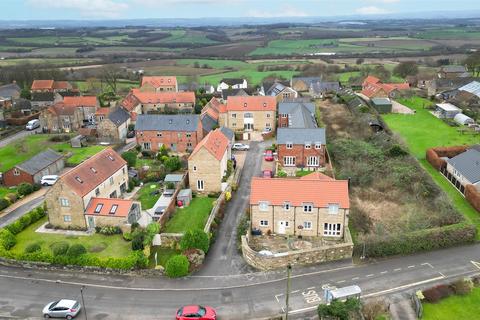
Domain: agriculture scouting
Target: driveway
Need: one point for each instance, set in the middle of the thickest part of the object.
(17, 136)
(223, 257)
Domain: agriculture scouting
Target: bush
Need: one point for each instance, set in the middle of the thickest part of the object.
(177, 266)
(196, 239)
(4, 203)
(338, 309)
(281, 174)
(462, 287)
(108, 231)
(11, 197)
(24, 189)
(33, 247)
(7, 239)
(435, 294)
(130, 157)
(127, 236)
(60, 248)
(396, 151)
(15, 227)
(173, 164)
(148, 153)
(152, 229)
(138, 238)
(76, 250)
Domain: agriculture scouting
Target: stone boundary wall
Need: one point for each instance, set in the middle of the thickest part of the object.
(166, 240)
(298, 257)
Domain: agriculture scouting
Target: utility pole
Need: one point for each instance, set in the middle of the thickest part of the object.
(287, 297)
(83, 302)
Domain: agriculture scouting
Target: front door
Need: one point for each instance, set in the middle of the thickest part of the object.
(281, 227)
(91, 223)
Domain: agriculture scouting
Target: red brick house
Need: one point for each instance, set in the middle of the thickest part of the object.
(302, 147)
(179, 133)
(50, 86)
(143, 102)
(372, 87)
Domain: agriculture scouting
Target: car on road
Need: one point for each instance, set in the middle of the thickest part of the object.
(33, 124)
(268, 155)
(240, 147)
(49, 180)
(64, 308)
(196, 312)
(267, 174)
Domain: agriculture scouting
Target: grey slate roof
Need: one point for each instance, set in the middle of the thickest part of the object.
(233, 92)
(300, 115)
(381, 101)
(228, 133)
(454, 69)
(119, 116)
(301, 136)
(208, 123)
(9, 90)
(232, 81)
(468, 164)
(320, 87)
(43, 96)
(40, 161)
(307, 80)
(167, 122)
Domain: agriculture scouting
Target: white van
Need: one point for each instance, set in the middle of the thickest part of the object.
(33, 124)
(49, 180)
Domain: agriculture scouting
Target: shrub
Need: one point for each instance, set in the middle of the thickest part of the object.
(76, 250)
(435, 294)
(196, 239)
(33, 247)
(177, 266)
(15, 227)
(4, 203)
(281, 174)
(138, 237)
(25, 220)
(24, 189)
(338, 309)
(7, 239)
(127, 236)
(130, 157)
(152, 229)
(173, 164)
(462, 287)
(371, 310)
(396, 151)
(108, 231)
(60, 248)
(11, 197)
(148, 153)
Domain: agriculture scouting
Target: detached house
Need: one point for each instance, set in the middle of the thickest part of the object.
(84, 197)
(372, 87)
(114, 125)
(464, 169)
(318, 206)
(281, 91)
(207, 164)
(179, 133)
(9, 93)
(69, 115)
(232, 83)
(302, 147)
(159, 83)
(143, 102)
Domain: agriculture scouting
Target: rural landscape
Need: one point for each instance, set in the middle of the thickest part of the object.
(257, 169)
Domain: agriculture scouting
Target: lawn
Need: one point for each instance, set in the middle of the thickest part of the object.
(29, 146)
(145, 195)
(102, 246)
(163, 254)
(454, 307)
(192, 217)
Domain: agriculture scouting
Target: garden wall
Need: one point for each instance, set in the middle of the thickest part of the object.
(298, 257)
(171, 207)
(473, 196)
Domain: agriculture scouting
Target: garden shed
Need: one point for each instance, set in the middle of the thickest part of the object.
(173, 178)
(447, 110)
(382, 105)
(184, 196)
(78, 141)
(463, 119)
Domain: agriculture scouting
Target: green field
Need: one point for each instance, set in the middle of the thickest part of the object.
(192, 217)
(49, 61)
(63, 40)
(184, 36)
(102, 246)
(450, 34)
(29, 146)
(454, 307)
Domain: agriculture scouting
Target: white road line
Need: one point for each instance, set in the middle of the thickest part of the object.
(402, 287)
(341, 281)
(410, 267)
(398, 269)
(476, 264)
(311, 288)
(295, 291)
(276, 297)
(370, 275)
(355, 278)
(383, 272)
(442, 274)
(427, 264)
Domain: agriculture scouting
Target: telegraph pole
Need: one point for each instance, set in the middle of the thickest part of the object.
(287, 297)
(83, 302)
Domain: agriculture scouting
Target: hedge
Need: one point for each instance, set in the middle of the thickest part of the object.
(422, 240)
(31, 217)
(7, 239)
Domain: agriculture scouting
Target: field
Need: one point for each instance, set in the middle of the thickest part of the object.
(100, 245)
(192, 217)
(454, 307)
(29, 146)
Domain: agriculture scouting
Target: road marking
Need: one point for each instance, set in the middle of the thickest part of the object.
(398, 269)
(355, 278)
(295, 291)
(427, 264)
(476, 264)
(410, 267)
(402, 287)
(370, 275)
(311, 288)
(383, 272)
(278, 295)
(341, 281)
(442, 274)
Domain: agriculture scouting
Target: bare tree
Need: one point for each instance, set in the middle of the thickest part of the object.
(111, 75)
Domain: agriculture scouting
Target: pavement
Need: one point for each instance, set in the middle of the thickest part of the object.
(17, 136)
(14, 213)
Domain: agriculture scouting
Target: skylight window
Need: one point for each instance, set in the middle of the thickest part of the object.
(78, 179)
(98, 208)
(113, 209)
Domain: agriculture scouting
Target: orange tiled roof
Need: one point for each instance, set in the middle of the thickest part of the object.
(251, 103)
(159, 81)
(130, 102)
(92, 172)
(372, 85)
(61, 85)
(104, 207)
(61, 109)
(42, 84)
(316, 176)
(215, 142)
(371, 79)
(103, 111)
(164, 97)
(320, 192)
(81, 101)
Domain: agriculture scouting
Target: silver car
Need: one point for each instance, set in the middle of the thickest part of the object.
(64, 308)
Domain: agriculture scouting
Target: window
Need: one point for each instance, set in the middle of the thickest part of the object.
(289, 161)
(194, 168)
(308, 146)
(286, 206)
(146, 146)
(263, 206)
(188, 135)
(111, 180)
(123, 170)
(234, 115)
(113, 209)
(286, 224)
(234, 124)
(98, 208)
(113, 194)
(200, 185)
(263, 223)
(318, 146)
(159, 134)
(16, 172)
(97, 192)
(267, 125)
(93, 169)
(248, 115)
(284, 115)
(312, 161)
(289, 145)
(307, 225)
(64, 202)
(179, 135)
(268, 115)
(333, 208)
(67, 218)
(308, 207)
(189, 144)
(331, 229)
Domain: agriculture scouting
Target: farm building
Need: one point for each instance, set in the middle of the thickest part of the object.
(447, 110)
(463, 120)
(382, 105)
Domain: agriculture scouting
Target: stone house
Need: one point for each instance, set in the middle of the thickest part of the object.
(69, 115)
(251, 113)
(159, 102)
(372, 87)
(159, 84)
(302, 147)
(323, 89)
(318, 208)
(179, 133)
(207, 164)
(31, 171)
(464, 169)
(232, 83)
(302, 84)
(9, 93)
(104, 175)
(281, 91)
(114, 126)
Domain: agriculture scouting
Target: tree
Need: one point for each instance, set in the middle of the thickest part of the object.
(94, 86)
(25, 94)
(177, 266)
(130, 157)
(473, 63)
(111, 75)
(406, 68)
(196, 239)
(173, 164)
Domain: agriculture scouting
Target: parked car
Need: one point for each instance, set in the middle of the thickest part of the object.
(49, 180)
(130, 134)
(33, 124)
(64, 308)
(267, 131)
(196, 312)
(269, 155)
(267, 174)
(240, 146)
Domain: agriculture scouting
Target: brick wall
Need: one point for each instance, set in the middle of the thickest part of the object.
(168, 138)
(10, 179)
(301, 154)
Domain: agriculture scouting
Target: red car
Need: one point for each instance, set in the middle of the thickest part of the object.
(196, 312)
(269, 155)
(267, 174)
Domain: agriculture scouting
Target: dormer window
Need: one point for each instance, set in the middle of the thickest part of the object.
(16, 172)
(188, 121)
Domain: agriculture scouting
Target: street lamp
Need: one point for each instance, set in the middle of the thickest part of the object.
(83, 302)
(287, 296)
